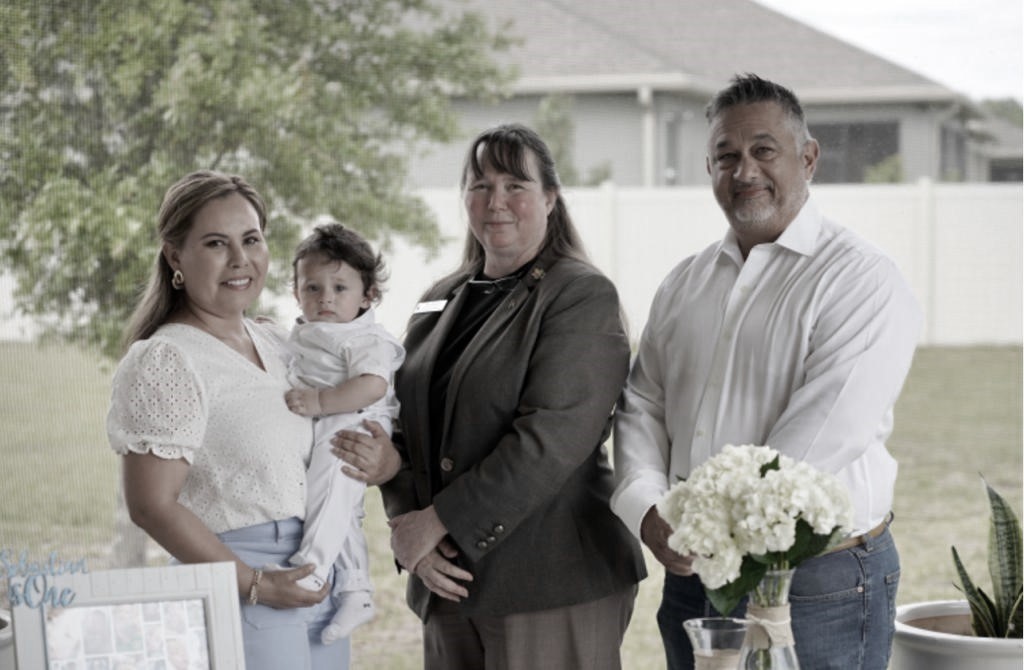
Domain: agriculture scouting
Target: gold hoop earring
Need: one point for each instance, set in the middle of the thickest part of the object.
(177, 280)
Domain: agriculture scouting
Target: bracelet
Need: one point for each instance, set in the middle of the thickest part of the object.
(254, 586)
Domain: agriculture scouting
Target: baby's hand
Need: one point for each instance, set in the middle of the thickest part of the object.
(304, 402)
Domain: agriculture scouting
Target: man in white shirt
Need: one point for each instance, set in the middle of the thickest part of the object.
(790, 332)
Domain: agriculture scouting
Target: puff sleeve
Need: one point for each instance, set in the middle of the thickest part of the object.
(157, 403)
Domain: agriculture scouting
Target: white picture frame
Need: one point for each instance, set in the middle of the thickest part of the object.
(205, 596)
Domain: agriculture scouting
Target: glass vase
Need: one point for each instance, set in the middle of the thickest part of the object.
(769, 640)
(716, 642)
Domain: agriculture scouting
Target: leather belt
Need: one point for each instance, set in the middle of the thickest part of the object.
(857, 540)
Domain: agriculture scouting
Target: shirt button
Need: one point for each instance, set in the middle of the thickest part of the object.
(447, 464)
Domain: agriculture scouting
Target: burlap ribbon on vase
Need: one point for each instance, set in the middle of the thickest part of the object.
(769, 627)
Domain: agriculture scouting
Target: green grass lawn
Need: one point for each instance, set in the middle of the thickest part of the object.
(959, 417)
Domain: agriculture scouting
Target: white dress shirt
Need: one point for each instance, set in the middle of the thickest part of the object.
(803, 346)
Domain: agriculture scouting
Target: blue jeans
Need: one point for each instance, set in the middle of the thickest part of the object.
(282, 638)
(843, 606)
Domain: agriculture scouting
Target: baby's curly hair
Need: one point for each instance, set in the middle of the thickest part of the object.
(335, 242)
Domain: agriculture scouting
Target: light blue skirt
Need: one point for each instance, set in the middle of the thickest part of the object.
(282, 638)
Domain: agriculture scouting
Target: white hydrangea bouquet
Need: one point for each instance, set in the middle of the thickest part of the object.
(750, 509)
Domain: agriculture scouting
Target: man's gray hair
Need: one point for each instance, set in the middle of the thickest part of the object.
(748, 89)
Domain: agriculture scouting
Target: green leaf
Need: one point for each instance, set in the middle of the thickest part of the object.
(769, 466)
(832, 540)
(1000, 616)
(806, 543)
(982, 609)
(319, 104)
(1015, 625)
(725, 598)
(1004, 556)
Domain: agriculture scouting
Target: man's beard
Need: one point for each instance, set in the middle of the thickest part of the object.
(751, 214)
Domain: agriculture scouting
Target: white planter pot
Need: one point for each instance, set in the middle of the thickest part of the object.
(6, 641)
(937, 636)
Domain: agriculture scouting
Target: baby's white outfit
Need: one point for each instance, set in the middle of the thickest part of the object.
(325, 355)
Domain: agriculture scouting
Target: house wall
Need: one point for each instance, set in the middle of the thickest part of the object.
(610, 129)
(438, 166)
(959, 246)
(686, 115)
(920, 148)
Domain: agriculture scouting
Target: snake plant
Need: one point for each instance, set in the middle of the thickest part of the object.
(999, 615)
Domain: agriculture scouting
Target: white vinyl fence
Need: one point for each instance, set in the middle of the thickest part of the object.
(959, 246)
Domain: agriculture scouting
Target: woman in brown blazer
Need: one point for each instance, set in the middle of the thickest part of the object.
(513, 366)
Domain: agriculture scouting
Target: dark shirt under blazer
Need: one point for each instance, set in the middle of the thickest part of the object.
(525, 477)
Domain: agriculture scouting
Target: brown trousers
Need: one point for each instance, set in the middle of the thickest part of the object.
(577, 637)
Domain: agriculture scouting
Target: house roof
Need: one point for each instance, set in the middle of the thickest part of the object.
(692, 45)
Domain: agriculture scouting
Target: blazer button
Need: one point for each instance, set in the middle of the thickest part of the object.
(447, 464)
(491, 538)
(482, 544)
(499, 529)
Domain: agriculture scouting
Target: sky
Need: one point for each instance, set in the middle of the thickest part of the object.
(970, 46)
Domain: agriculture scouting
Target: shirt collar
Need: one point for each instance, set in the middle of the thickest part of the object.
(800, 236)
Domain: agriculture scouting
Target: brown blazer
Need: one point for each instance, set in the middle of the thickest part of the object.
(526, 479)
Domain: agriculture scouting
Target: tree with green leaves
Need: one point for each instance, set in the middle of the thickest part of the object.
(105, 103)
(1008, 109)
(553, 122)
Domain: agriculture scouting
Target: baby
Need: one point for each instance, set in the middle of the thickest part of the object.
(342, 370)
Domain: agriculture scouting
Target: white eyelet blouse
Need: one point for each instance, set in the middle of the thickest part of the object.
(183, 393)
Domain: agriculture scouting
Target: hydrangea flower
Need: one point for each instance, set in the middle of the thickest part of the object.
(750, 508)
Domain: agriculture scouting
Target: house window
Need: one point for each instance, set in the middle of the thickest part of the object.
(848, 150)
(1006, 169)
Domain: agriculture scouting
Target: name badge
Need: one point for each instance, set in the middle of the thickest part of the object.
(430, 306)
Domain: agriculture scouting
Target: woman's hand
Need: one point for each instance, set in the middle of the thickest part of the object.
(655, 531)
(371, 458)
(439, 573)
(414, 535)
(278, 589)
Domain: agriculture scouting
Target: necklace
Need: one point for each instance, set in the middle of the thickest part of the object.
(489, 286)
(503, 284)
